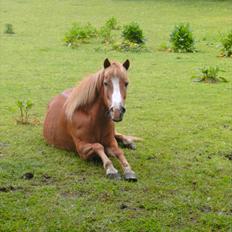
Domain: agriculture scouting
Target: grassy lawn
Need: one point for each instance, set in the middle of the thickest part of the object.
(184, 163)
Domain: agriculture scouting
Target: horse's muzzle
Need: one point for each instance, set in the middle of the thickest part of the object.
(116, 113)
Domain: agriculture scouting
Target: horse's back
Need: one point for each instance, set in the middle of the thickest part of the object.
(55, 124)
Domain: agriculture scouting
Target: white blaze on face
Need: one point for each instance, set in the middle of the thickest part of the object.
(116, 96)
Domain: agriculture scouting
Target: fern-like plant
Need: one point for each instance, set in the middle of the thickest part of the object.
(209, 75)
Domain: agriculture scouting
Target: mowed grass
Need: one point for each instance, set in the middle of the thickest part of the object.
(184, 163)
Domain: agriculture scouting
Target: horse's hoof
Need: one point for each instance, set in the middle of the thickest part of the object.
(130, 176)
(131, 146)
(114, 176)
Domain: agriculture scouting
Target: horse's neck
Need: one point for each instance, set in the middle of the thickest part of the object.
(99, 110)
(100, 121)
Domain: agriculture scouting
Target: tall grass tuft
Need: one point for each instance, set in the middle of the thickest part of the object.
(9, 29)
(227, 44)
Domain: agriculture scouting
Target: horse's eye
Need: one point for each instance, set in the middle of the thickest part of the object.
(105, 83)
(126, 84)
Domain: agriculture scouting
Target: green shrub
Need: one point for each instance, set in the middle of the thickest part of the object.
(133, 33)
(79, 34)
(209, 75)
(112, 24)
(227, 44)
(181, 39)
(9, 29)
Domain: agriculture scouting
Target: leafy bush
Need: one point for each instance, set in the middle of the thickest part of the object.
(80, 34)
(227, 44)
(209, 75)
(133, 33)
(181, 39)
(9, 29)
(24, 108)
(112, 24)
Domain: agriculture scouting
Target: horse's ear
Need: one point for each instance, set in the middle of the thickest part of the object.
(106, 63)
(126, 64)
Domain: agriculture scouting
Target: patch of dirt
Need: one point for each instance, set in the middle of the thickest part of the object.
(10, 188)
(205, 209)
(125, 206)
(228, 156)
(45, 178)
(70, 194)
(27, 175)
(152, 157)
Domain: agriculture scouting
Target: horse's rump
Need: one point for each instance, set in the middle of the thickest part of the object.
(55, 131)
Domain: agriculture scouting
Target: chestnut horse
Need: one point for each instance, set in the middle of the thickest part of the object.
(82, 119)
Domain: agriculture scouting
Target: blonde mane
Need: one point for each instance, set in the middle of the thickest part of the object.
(83, 94)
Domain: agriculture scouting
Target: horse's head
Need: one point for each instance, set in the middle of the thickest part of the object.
(115, 83)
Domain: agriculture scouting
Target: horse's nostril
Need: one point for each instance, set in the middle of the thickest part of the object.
(111, 109)
(123, 109)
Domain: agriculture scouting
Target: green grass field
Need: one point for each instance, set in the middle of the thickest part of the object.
(184, 163)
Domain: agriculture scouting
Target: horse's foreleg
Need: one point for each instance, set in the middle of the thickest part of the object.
(129, 174)
(126, 140)
(88, 150)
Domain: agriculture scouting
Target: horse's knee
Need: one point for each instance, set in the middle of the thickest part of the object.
(97, 147)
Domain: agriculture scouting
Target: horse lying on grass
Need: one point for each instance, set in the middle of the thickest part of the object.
(82, 119)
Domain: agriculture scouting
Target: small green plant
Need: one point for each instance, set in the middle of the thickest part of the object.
(79, 34)
(105, 31)
(133, 33)
(209, 75)
(112, 24)
(126, 46)
(181, 39)
(9, 29)
(164, 47)
(227, 44)
(24, 108)
(106, 35)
